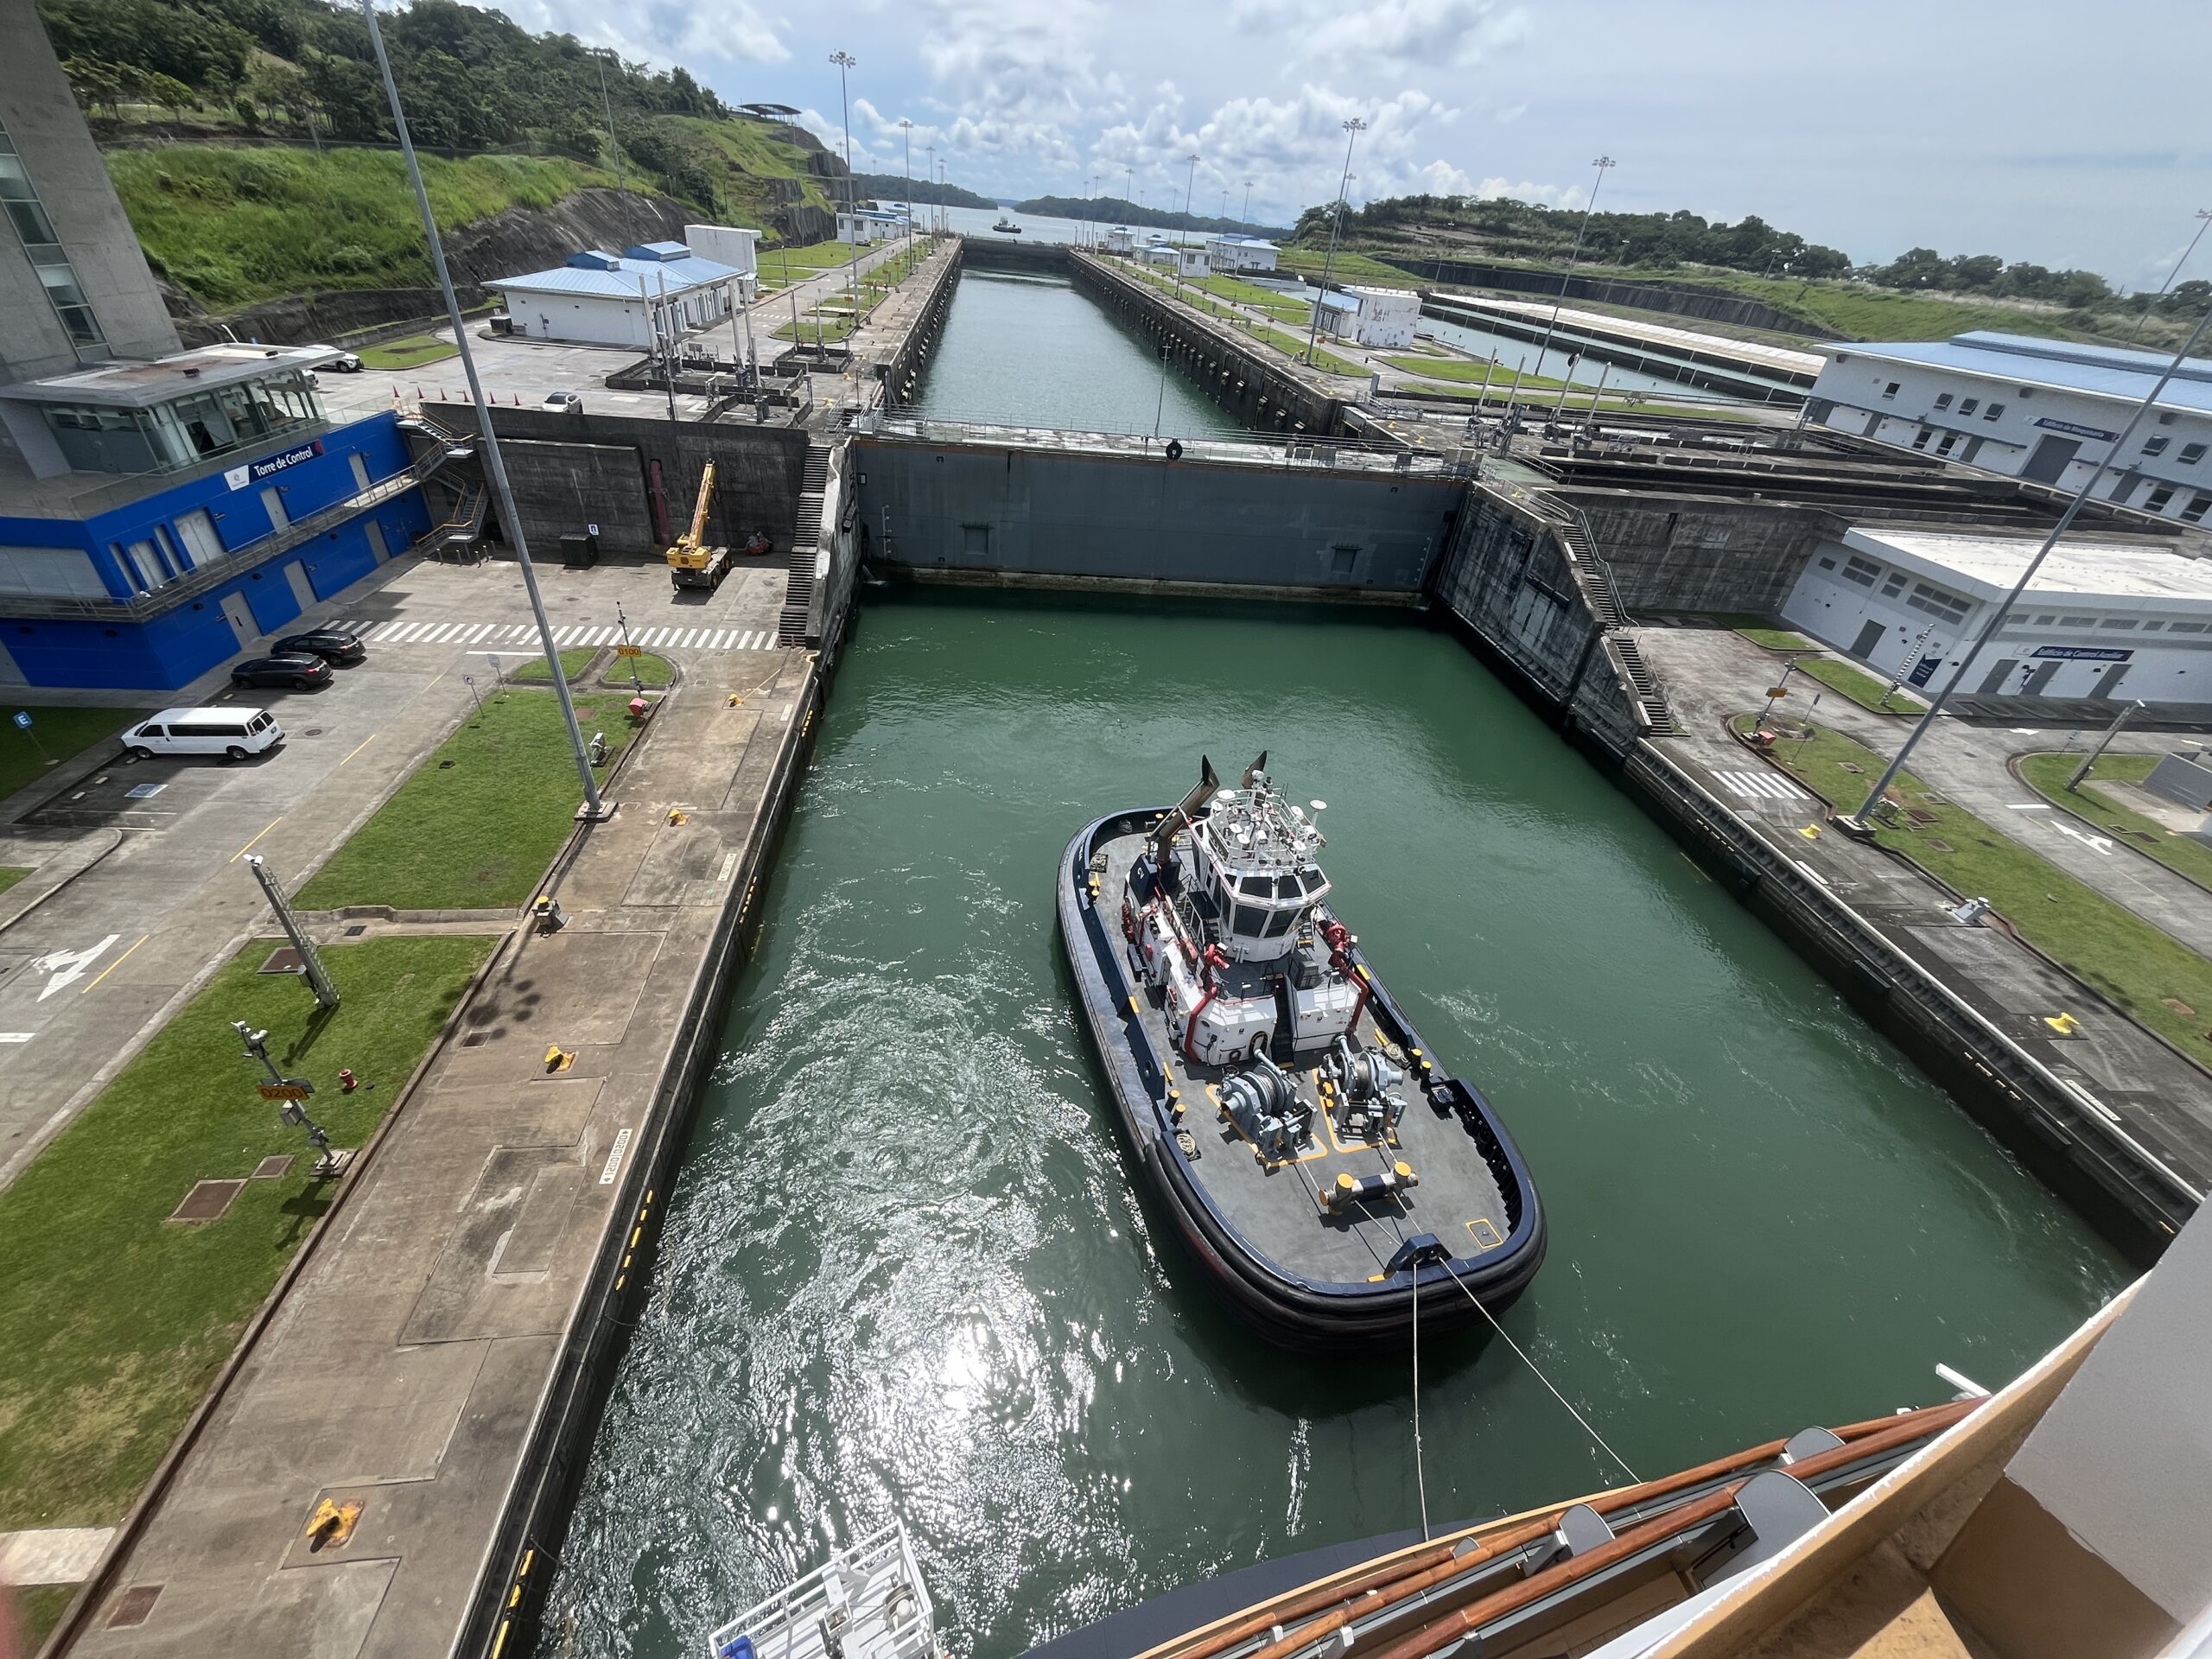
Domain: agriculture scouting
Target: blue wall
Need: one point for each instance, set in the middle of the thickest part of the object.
(180, 643)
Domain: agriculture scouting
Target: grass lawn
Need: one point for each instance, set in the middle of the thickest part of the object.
(1860, 687)
(2140, 969)
(1347, 267)
(1294, 345)
(2047, 775)
(9, 874)
(55, 734)
(117, 1318)
(1460, 368)
(39, 1608)
(409, 354)
(815, 256)
(651, 671)
(1776, 638)
(495, 816)
(573, 663)
(814, 326)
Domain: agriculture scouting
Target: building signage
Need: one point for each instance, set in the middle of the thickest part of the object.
(2074, 431)
(2086, 654)
(1924, 671)
(253, 472)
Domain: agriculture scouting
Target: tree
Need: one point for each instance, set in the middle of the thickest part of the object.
(171, 94)
(97, 84)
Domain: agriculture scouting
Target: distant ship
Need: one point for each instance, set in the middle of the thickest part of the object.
(1007, 225)
(1323, 1169)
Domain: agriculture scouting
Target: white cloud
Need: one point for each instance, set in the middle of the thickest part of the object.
(1546, 195)
(1389, 34)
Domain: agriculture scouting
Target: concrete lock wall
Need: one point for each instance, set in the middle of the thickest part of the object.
(928, 508)
(636, 478)
(1694, 555)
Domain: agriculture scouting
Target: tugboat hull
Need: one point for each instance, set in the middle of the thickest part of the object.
(1294, 1308)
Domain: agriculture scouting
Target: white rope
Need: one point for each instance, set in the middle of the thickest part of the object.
(1539, 1376)
(1421, 1473)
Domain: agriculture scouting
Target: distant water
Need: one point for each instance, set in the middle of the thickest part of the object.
(1030, 351)
(905, 1271)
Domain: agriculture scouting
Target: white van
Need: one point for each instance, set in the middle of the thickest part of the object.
(234, 733)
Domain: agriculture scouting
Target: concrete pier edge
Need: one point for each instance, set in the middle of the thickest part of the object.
(509, 1597)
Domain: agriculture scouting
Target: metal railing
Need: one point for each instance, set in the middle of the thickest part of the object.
(1259, 450)
(202, 578)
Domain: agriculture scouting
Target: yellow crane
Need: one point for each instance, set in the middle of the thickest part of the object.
(691, 563)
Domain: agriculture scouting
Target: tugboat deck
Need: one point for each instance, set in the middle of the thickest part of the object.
(1276, 1208)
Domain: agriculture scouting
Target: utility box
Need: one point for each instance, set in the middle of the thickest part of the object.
(578, 552)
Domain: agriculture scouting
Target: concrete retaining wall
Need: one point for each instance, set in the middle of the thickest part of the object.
(904, 372)
(1700, 554)
(573, 470)
(1253, 384)
(1675, 299)
(967, 510)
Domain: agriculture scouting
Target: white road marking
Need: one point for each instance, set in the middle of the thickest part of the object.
(477, 633)
(67, 967)
(2027, 806)
(1747, 786)
(16, 1036)
(2095, 843)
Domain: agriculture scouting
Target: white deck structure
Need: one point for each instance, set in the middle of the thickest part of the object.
(867, 1601)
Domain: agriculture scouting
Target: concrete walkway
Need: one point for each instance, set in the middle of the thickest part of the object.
(405, 1367)
(2136, 1082)
(51, 1555)
(1968, 763)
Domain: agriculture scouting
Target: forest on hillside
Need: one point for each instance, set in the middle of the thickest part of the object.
(471, 80)
(1518, 230)
(896, 187)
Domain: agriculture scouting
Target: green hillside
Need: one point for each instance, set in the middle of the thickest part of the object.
(231, 224)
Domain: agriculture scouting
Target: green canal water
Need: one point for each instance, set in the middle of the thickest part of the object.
(905, 1272)
(1030, 351)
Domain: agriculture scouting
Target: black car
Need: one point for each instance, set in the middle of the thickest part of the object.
(300, 673)
(331, 645)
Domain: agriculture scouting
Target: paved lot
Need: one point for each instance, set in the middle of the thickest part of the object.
(164, 895)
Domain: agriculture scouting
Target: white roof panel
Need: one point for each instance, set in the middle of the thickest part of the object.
(2121, 573)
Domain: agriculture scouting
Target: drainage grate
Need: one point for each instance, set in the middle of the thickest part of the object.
(207, 1201)
(476, 1039)
(284, 959)
(357, 930)
(277, 1164)
(132, 1606)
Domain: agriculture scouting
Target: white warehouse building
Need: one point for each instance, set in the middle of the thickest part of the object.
(1242, 254)
(1370, 316)
(636, 300)
(2047, 410)
(1188, 261)
(2101, 619)
(733, 246)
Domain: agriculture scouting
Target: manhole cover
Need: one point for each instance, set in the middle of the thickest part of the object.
(132, 1606)
(207, 1201)
(476, 1039)
(357, 930)
(277, 1163)
(144, 791)
(284, 959)
(312, 731)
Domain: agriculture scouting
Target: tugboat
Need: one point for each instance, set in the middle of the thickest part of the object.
(1007, 227)
(1333, 1180)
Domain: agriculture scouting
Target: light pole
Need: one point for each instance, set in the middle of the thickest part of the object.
(929, 177)
(621, 189)
(907, 132)
(1245, 217)
(511, 521)
(1129, 184)
(2110, 732)
(1857, 821)
(2203, 217)
(1183, 232)
(318, 977)
(1353, 127)
(291, 1091)
(845, 62)
(1601, 164)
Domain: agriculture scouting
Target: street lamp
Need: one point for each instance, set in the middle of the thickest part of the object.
(1601, 164)
(1245, 218)
(929, 177)
(2203, 217)
(595, 810)
(1183, 232)
(845, 62)
(907, 132)
(1353, 127)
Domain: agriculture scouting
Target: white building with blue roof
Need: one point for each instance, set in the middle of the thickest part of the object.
(639, 298)
(1242, 254)
(2047, 410)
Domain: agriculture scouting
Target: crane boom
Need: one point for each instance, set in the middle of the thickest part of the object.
(691, 563)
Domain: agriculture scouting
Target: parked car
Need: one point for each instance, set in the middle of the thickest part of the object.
(233, 732)
(300, 673)
(345, 363)
(563, 403)
(331, 645)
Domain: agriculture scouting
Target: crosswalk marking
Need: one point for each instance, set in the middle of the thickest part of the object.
(523, 636)
(1750, 786)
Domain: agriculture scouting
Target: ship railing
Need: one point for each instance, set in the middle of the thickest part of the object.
(869, 1595)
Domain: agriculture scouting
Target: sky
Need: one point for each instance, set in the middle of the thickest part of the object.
(2026, 129)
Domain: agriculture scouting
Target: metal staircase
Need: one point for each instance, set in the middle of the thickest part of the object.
(806, 545)
(1649, 693)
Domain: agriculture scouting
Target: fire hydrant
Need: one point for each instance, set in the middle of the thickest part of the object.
(638, 706)
(347, 1082)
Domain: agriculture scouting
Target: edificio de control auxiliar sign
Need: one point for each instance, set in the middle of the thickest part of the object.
(254, 470)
